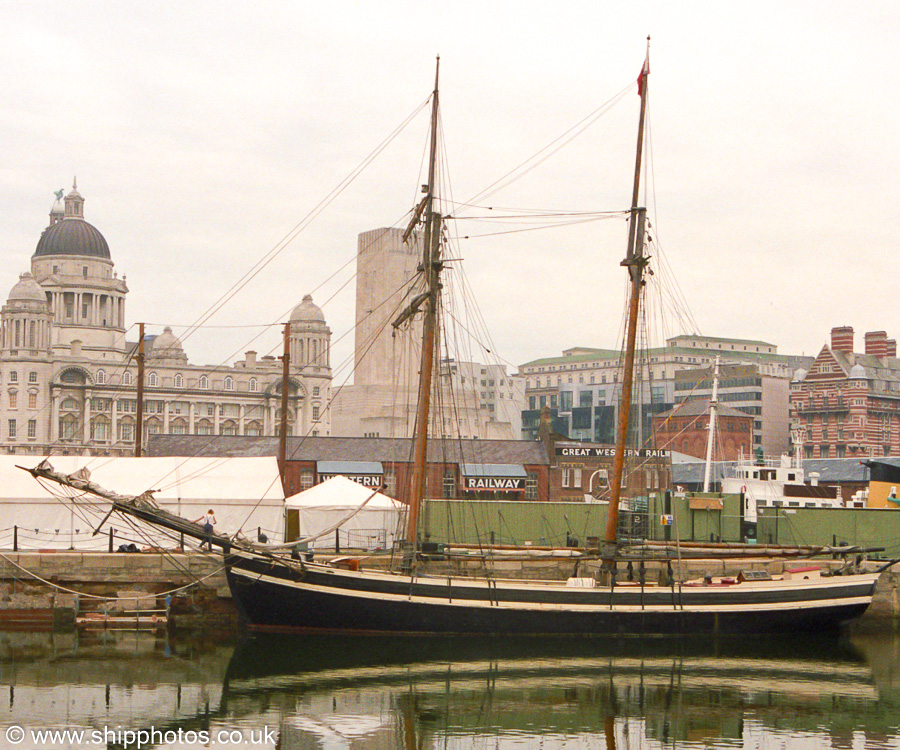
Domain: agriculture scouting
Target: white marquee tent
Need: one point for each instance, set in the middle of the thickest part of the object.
(245, 493)
(317, 509)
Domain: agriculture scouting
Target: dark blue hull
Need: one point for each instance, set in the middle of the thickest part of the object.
(286, 595)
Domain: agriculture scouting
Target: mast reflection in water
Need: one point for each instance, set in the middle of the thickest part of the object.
(331, 692)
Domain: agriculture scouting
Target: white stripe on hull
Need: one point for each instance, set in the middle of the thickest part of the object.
(673, 605)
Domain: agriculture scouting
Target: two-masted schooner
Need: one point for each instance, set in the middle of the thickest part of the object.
(275, 589)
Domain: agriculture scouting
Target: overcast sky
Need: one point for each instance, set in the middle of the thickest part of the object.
(202, 133)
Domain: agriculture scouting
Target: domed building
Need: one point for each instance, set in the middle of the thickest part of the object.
(69, 372)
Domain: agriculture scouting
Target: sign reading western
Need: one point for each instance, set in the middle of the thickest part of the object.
(610, 452)
(366, 480)
(499, 484)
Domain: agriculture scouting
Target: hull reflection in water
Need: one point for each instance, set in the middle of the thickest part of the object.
(371, 693)
(331, 692)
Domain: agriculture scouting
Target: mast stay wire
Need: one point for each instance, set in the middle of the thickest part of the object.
(301, 225)
(549, 150)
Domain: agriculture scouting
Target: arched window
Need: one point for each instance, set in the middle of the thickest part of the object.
(179, 381)
(229, 383)
(204, 382)
(68, 427)
(69, 404)
(152, 380)
(126, 378)
(254, 385)
(101, 377)
(100, 429)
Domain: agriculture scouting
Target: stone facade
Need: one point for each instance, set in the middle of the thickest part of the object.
(68, 374)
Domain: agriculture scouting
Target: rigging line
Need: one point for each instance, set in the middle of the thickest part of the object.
(73, 502)
(114, 369)
(224, 364)
(144, 536)
(213, 463)
(84, 595)
(455, 411)
(551, 148)
(81, 501)
(538, 215)
(678, 296)
(371, 343)
(535, 229)
(469, 295)
(524, 210)
(257, 267)
(177, 326)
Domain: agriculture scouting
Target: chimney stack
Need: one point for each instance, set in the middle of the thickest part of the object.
(891, 348)
(876, 343)
(842, 339)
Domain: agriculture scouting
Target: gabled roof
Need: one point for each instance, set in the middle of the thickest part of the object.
(854, 365)
(388, 450)
(718, 339)
(700, 406)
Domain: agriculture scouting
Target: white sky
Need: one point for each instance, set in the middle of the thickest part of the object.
(201, 133)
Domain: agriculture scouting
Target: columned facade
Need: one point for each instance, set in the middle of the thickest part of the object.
(68, 377)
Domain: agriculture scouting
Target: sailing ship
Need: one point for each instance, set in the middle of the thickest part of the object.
(278, 589)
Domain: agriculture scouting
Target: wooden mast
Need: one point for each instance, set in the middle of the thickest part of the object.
(635, 262)
(431, 271)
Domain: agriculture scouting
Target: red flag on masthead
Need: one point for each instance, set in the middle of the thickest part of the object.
(645, 71)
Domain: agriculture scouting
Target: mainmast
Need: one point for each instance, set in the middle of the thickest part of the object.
(710, 439)
(428, 302)
(635, 261)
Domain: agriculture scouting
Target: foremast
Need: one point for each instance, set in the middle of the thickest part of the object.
(428, 302)
(635, 261)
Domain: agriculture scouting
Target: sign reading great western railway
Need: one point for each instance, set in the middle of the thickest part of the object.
(610, 452)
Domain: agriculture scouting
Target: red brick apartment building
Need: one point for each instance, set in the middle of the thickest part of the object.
(848, 404)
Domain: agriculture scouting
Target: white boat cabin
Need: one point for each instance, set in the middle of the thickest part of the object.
(780, 483)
